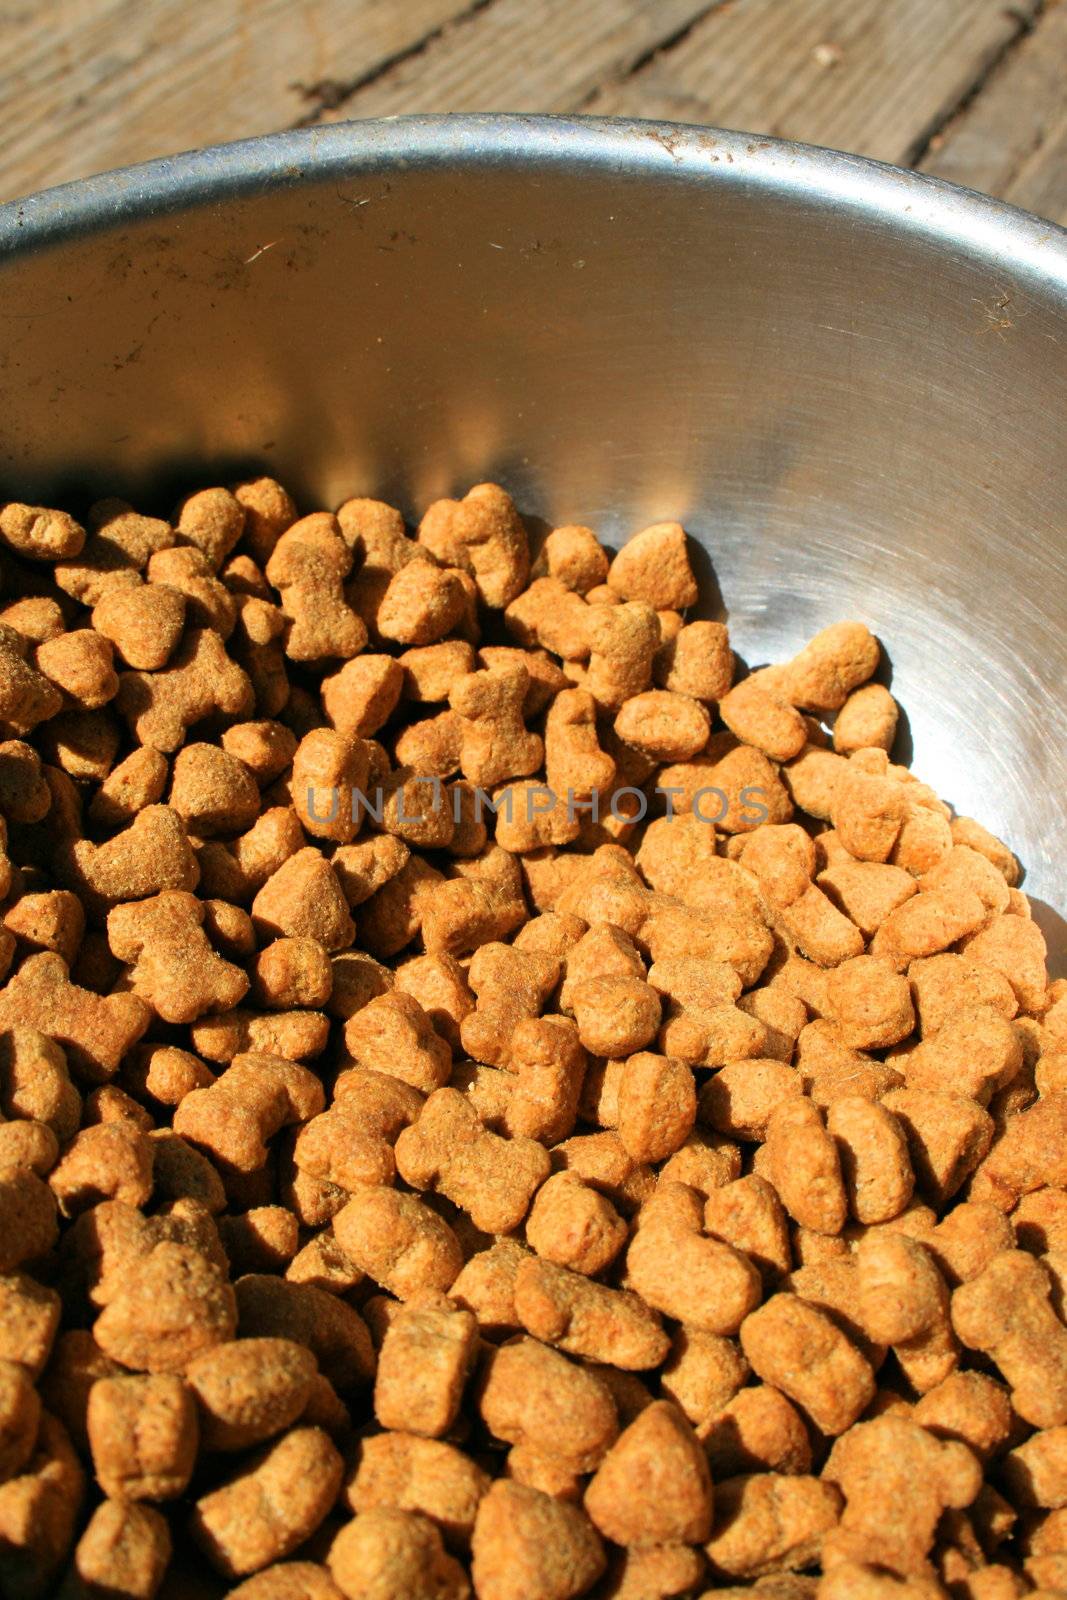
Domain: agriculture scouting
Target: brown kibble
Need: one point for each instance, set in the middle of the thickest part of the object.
(800, 1158)
(246, 1106)
(392, 1034)
(867, 720)
(39, 1512)
(495, 744)
(308, 566)
(448, 1149)
(663, 725)
(124, 1550)
(574, 1226)
(903, 1302)
(427, 1476)
(399, 1242)
(677, 1270)
(249, 1390)
(40, 533)
(95, 1031)
(20, 1416)
(741, 1099)
(529, 1546)
(657, 1106)
(484, 535)
(334, 1332)
(587, 1319)
(574, 556)
(836, 662)
(173, 966)
(770, 1522)
(292, 973)
(1013, 946)
(757, 1430)
(199, 680)
(764, 719)
(303, 899)
(897, 1479)
(111, 1161)
(1005, 1312)
(533, 1396)
(390, 1554)
(143, 1436)
(970, 1407)
(653, 1486)
(747, 1214)
(654, 566)
(136, 783)
(870, 1003)
(271, 1506)
(423, 1363)
(143, 621)
(698, 661)
(166, 1309)
(799, 1350)
(873, 1151)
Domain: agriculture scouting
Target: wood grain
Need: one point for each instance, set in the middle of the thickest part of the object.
(972, 90)
(92, 84)
(1011, 140)
(860, 75)
(526, 55)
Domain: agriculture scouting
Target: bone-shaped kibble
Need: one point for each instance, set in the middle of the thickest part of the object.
(351, 1144)
(623, 640)
(246, 1106)
(201, 679)
(151, 855)
(510, 985)
(893, 1461)
(548, 1064)
(676, 1268)
(449, 1149)
(95, 1030)
(484, 535)
(309, 565)
(1005, 1311)
(549, 615)
(575, 765)
(495, 742)
(174, 967)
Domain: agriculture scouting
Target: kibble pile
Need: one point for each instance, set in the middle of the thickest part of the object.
(655, 1192)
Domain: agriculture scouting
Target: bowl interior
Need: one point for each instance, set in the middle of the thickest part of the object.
(849, 382)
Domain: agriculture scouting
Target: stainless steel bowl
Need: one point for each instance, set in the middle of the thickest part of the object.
(848, 381)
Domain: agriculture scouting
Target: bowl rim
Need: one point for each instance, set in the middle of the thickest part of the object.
(896, 197)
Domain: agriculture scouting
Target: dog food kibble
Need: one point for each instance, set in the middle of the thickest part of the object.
(498, 1102)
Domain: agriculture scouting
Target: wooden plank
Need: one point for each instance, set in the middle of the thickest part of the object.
(860, 75)
(1012, 139)
(91, 84)
(525, 55)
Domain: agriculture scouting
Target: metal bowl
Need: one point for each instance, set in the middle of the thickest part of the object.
(848, 381)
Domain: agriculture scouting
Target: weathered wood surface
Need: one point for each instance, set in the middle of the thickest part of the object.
(973, 90)
(1011, 140)
(91, 84)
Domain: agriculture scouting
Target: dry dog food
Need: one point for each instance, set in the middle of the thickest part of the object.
(497, 1100)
